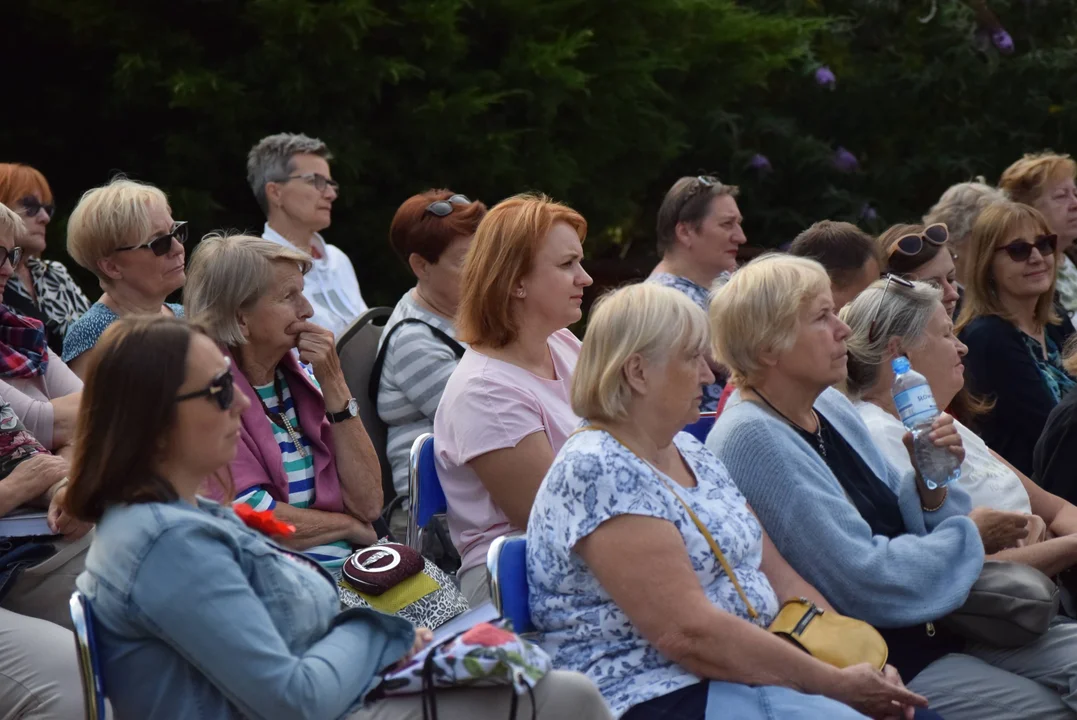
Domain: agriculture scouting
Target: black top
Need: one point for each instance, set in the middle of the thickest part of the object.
(1055, 456)
(1000, 367)
(911, 648)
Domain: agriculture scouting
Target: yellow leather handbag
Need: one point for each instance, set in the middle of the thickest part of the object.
(835, 639)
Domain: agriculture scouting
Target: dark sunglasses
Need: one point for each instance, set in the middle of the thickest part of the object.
(14, 256)
(319, 181)
(441, 208)
(873, 329)
(161, 245)
(1021, 250)
(31, 206)
(221, 389)
(913, 244)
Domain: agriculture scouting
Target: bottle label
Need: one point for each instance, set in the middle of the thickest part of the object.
(916, 405)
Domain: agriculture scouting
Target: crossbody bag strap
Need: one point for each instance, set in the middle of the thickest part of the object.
(375, 371)
(698, 523)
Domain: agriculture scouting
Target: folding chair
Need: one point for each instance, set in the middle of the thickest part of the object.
(93, 681)
(506, 567)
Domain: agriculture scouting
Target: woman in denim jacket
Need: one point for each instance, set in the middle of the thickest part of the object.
(198, 616)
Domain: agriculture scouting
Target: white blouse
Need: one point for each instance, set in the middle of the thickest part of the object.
(987, 480)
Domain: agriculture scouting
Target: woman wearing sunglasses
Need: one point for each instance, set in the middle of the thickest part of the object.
(124, 234)
(303, 452)
(901, 318)
(1014, 334)
(41, 289)
(40, 388)
(1046, 182)
(431, 232)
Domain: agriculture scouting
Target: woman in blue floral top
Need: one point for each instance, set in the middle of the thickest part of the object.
(624, 588)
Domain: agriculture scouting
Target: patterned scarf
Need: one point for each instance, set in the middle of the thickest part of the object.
(23, 352)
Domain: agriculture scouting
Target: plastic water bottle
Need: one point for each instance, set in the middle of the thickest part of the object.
(917, 409)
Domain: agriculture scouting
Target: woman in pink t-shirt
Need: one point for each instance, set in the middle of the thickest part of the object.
(506, 411)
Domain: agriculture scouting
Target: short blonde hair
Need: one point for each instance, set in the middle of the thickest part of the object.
(110, 217)
(503, 251)
(959, 207)
(11, 224)
(647, 319)
(230, 273)
(759, 310)
(1024, 181)
(997, 226)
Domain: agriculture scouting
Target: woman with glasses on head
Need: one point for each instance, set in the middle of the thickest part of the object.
(699, 235)
(431, 232)
(289, 175)
(195, 613)
(124, 234)
(41, 289)
(1014, 335)
(896, 318)
(40, 388)
(922, 252)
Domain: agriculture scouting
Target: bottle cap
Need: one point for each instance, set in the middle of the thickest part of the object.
(900, 365)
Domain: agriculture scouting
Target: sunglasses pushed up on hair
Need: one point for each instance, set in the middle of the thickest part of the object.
(1020, 250)
(912, 244)
(442, 208)
(221, 389)
(162, 244)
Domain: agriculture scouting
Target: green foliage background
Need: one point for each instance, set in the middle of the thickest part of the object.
(600, 103)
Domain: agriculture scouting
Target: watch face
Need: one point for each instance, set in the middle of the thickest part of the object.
(353, 407)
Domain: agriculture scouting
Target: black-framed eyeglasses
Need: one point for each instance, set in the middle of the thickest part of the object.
(161, 245)
(912, 244)
(221, 389)
(30, 206)
(14, 256)
(319, 181)
(872, 328)
(1020, 250)
(441, 208)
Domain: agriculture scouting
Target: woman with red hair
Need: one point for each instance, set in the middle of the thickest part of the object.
(431, 232)
(506, 409)
(41, 289)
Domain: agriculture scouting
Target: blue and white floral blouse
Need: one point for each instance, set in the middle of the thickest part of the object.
(593, 479)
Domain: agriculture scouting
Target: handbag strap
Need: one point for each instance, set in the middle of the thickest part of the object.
(695, 519)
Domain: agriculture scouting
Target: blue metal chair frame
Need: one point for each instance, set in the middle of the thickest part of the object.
(93, 682)
(506, 567)
(424, 488)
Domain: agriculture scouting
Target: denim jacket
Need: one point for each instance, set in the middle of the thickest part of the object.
(197, 616)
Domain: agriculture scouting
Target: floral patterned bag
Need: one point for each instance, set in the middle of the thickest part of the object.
(486, 655)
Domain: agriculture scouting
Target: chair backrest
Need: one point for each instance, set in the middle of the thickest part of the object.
(424, 488)
(701, 427)
(506, 567)
(358, 348)
(93, 682)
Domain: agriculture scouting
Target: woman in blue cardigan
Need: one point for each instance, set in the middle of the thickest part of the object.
(880, 546)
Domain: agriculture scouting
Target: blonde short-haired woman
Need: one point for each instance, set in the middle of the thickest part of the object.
(124, 234)
(878, 544)
(612, 545)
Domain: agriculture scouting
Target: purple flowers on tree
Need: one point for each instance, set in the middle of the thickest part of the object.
(1002, 41)
(868, 213)
(825, 77)
(845, 161)
(760, 162)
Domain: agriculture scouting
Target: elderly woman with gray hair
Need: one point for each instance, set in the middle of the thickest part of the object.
(289, 175)
(958, 209)
(303, 451)
(613, 544)
(909, 320)
(878, 543)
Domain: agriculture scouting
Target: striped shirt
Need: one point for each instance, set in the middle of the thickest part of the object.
(417, 366)
(299, 468)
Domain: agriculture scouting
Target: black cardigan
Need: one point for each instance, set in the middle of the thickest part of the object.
(999, 366)
(1055, 458)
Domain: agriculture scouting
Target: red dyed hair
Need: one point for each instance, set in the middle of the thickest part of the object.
(503, 252)
(18, 181)
(414, 230)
